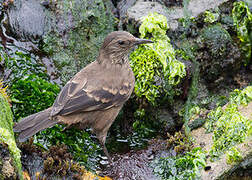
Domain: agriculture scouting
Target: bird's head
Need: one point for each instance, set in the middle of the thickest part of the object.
(117, 45)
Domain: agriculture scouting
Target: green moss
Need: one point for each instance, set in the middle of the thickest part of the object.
(211, 17)
(242, 18)
(154, 24)
(83, 149)
(181, 167)
(154, 65)
(86, 25)
(20, 65)
(228, 125)
(7, 135)
(233, 155)
(32, 94)
(217, 40)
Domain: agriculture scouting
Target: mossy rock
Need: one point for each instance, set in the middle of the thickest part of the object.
(229, 144)
(218, 54)
(70, 32)
(78, 29)
(11, 164)
(217, 40)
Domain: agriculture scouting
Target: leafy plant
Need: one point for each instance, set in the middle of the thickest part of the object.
(231, 128)
(181, 167)
(154, 65)
(213, 117)
(242, 18)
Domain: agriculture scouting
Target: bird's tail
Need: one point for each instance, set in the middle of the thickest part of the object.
(34, 123)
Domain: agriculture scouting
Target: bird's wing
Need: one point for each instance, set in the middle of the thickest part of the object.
(82, 94)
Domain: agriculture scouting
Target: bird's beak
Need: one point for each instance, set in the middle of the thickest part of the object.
(142, 41)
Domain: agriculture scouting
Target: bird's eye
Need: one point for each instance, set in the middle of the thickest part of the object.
(121, 42)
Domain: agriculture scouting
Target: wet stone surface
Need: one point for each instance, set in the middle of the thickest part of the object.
(136, 165)
(27, 20)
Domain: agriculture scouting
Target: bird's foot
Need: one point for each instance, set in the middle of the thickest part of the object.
(107, 154)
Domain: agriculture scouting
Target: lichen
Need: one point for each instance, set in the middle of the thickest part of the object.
(154, 65)
(7, 135)
(242, 18)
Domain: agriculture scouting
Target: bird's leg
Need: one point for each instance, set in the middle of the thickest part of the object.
(106, 153)
(102, 142)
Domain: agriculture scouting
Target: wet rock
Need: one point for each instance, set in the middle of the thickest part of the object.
(143, 8)
(136, 165)
(68, 32)
(217, 53)
(171, 3)
(27, 20)
(166, 118)
(123, 7)
(214, 45)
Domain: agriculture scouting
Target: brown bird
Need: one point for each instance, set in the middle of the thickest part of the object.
(94, 96)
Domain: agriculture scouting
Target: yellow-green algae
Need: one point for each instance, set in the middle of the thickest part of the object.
(211, 17)
(233, 155)
(228, 125)
(154, 65)
(6, 133)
